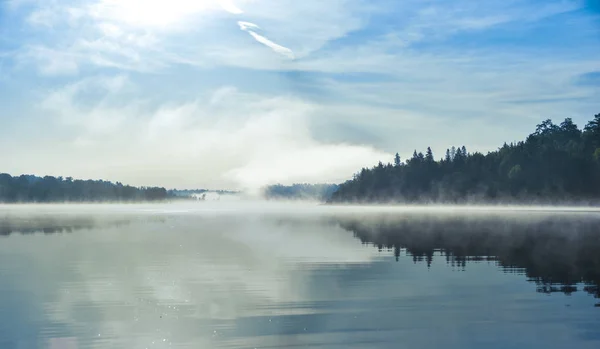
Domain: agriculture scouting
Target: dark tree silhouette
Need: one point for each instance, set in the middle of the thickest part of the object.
(321, 192)
(556, 163)
(429, 155)
(27, 188)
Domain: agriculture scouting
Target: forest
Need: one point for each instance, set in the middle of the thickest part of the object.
(28, 188)
(556, 163)
(300, 191)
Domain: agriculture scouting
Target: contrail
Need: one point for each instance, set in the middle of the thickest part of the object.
(282, 50)
(245, 26)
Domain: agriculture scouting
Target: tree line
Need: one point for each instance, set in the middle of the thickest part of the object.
(28, 188)
(300, 191)
(555, 163)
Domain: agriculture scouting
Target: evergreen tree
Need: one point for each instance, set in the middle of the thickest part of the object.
(429, 156)
(554, 163)
(592, 132)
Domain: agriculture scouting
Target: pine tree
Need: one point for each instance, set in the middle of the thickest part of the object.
(429, 155)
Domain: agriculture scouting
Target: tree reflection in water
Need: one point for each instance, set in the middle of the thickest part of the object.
(558, 252)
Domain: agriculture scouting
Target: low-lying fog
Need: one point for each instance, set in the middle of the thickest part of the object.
(239, 274)
(293, 207)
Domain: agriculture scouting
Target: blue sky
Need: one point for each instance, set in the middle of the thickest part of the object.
(242, 93)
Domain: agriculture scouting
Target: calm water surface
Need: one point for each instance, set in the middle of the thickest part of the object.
(291, 276)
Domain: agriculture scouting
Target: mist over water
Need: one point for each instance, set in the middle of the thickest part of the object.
(246, 274)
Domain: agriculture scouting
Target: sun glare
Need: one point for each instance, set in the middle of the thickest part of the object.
(160, 13)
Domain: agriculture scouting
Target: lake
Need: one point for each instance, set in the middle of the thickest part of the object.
(266, 275)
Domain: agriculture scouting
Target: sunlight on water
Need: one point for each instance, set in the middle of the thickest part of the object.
(265, 275)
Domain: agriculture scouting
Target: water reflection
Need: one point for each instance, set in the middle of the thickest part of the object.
(52, 225)
(557, 252)
(189, 279)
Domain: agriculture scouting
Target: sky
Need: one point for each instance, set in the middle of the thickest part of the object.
(238, 94)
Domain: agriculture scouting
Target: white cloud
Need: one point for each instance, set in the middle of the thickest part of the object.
(248, 27)
(305, 26)
(113, 49)
(168, 33)
(52, 13)
(50, 62)
(276, 47)
(42, 17)
(227, 138)
(151, 13)
(110, 29)
(230, 7)
(221, 94)
(90, 122)
(171, 128)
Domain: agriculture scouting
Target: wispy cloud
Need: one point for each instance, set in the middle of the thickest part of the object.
(245, 26)
(230, 7)
(418, 69)
(250, 27)
(155, 14)
(50, 62)
(235, 139)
